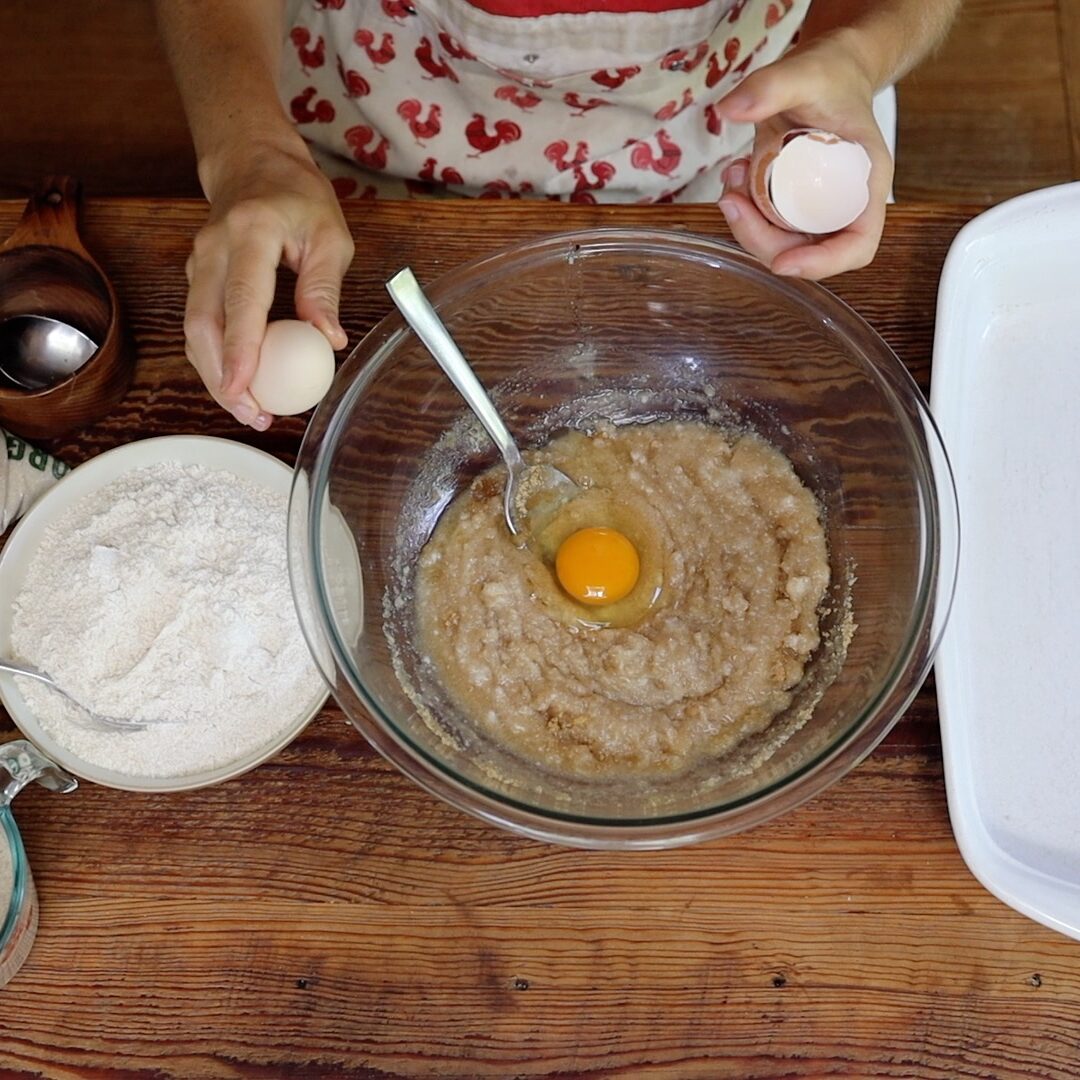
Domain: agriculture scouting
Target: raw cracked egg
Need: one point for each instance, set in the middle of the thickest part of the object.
(597, 565)
(296, 368)
(815, 182)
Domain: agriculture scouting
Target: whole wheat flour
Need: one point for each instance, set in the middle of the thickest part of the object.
(165, 594)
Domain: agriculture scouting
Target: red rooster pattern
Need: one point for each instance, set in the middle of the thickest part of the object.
(665, 163)
(682, 60)
(306, 109)
(430, 173)
(556, 153)
(672, 109)
(380, 55)
(602, 172)
(523, 99)
(310, 56)
(397, 10)
(716, 72)
(355, 84)
(580, 106)
(483, 142)
(357, 139)
(435, 68)
(614, 78)
(503, 189)
(410, 111)
(714, 122)
(452, 48)
(399, 91)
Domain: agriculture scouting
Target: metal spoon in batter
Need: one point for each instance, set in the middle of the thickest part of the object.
(532, 491)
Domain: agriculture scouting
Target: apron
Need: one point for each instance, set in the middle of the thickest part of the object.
(400, 98)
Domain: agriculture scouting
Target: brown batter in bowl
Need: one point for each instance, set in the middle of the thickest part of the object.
(735, 570)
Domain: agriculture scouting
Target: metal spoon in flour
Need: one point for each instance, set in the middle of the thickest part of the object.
(111, 723)
(531, 490)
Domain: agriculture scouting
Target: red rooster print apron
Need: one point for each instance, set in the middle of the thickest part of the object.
(577, 100)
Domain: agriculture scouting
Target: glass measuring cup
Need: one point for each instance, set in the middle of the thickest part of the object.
(20, 763)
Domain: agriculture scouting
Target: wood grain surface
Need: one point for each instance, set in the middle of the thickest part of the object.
(86, 89)
(323, 917)
(1069, 28)
(988, 117)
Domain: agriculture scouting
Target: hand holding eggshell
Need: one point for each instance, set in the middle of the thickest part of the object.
(813, 182)
(296, 367)
(810, 202)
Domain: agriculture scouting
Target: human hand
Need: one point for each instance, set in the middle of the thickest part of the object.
(821, 84)
(268, 206)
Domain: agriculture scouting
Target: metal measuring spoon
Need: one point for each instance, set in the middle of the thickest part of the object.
(111, 723)
(530, 489)
(37, 351)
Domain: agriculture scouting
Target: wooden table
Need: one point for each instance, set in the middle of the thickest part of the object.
(323, 917)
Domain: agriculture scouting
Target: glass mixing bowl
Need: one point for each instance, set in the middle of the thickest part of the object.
(628, 326)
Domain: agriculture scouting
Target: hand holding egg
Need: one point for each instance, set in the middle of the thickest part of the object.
(267, 210)
(296, 368)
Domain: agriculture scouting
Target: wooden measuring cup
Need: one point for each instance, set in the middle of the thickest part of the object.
(45, 270)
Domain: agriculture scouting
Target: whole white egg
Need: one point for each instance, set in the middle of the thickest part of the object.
(296, 368)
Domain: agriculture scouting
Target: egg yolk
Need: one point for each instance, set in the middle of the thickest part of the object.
(597, 565)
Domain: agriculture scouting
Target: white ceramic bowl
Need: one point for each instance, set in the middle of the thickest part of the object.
(211, 453)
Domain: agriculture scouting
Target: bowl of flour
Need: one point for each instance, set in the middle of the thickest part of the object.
(153, 583)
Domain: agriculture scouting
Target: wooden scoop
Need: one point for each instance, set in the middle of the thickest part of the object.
(45, 270)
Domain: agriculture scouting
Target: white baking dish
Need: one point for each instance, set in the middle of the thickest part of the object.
(1006, 393)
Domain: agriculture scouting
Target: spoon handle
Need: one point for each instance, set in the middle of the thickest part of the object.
(405, 291)
(29, 672)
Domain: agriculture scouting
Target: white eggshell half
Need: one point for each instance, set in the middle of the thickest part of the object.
(819, 182)
(296, 368)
